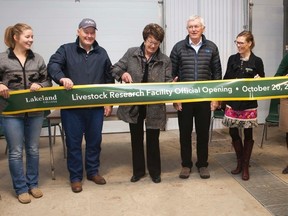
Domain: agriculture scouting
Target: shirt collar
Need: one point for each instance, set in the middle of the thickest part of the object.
(198, 44)
(91, 48)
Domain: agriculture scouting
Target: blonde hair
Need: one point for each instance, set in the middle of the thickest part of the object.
(248, 37)
(12, 31)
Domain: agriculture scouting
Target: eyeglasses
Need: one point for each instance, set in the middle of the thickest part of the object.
(157, 43)
(239, 43)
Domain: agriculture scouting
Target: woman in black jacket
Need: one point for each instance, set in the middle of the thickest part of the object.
(243, 114)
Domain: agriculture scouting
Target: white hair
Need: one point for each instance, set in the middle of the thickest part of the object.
(196, 17)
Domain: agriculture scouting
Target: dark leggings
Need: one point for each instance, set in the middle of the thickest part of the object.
(234, 133)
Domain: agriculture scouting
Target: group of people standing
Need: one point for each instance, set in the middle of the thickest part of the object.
(85, 62)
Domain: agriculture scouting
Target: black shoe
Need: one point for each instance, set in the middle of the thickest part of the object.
(156, 179)
(136, 178)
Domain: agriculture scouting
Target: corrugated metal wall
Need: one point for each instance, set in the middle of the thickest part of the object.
(224, 20)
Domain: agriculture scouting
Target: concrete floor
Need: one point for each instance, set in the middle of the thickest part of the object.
(219, 195)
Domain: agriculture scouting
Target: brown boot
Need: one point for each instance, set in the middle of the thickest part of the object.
(248, 146)
(285, 171)
(238, 147)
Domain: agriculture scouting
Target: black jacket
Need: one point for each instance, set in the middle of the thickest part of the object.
(191, 66)
(237, 69)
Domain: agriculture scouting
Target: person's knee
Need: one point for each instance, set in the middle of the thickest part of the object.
(248, 134)
(15, 154)
(33, 150)
(234, 133)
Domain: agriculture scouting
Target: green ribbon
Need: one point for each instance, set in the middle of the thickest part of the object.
(146, 93)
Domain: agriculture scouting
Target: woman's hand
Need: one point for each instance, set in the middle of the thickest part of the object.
(126, 77)
(35, 87)
(4, 91)
(214, 105)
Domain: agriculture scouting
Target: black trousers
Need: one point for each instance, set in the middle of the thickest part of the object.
(201, 113)
(152, 148)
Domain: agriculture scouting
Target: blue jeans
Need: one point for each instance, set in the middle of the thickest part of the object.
(23, 132)
(76, 123)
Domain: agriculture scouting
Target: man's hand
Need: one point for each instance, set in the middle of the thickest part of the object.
(177, 106)
(108, 110)
(67, 83)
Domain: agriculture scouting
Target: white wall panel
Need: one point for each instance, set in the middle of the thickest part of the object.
(267, 27)
(120, 23)
(224, 19)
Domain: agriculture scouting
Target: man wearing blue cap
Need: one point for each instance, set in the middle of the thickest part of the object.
(80, 63)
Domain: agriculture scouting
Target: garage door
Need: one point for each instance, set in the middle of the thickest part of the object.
(120, 23)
